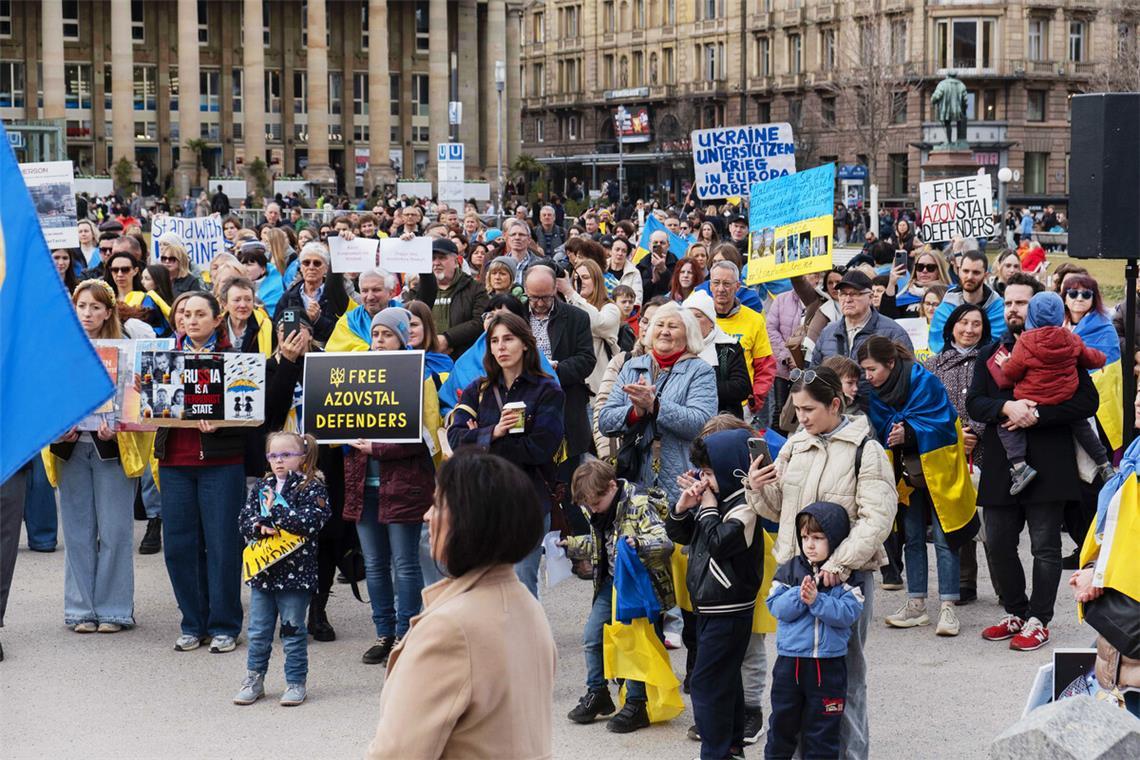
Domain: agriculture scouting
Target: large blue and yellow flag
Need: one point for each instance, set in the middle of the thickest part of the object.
(1115, 533)
(677, 244)
(1097, 332)
(52, 377)
(938, 432)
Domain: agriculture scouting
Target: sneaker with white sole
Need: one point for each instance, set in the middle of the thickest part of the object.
(223, 643)
(1006, 628)
(753, 725)
(87, 626)
(252, 688)
(294, 695)
(911, 614)
(186, 643)
(1033, 636)
(948, 624)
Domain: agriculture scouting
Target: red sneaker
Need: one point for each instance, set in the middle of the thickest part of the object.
(1007, 628)
(1033, 636)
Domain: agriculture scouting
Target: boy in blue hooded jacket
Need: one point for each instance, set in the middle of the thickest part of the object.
(809, 680)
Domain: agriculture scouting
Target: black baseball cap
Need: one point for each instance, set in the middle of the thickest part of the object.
(737, 219)
(443, 246)
(853, 278)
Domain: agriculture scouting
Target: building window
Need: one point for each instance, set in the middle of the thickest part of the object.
(421, 133)
(300, 91)
(172, 88)
(265, 30)
(638, 68)
(420, 95)
(710, 62)
(538, 28)
(989, 105)
(898, 107)
(571, 22)
(539, 130)
(764, 57)
(209, 85)
(653, 73)
(273, 92)
(138, 22)
(145, 89)
(670, 12)
(336, 92)
(394, 95)
(11, 84)
(1037, 48)
(796, 111)
(1035, 108)
(71, 20)
(608, 16)
(639, 14)
(203, 23)
(608, 71)
(360, 132)
(1077, 41)
(710, 8)
(764, 111)
(5, 19)
(827, 111)
(826, 49)
(795, 53)
(898, 168)
(572, 127)
(422, 25)
(364, 26)
(538, 80)
(898, 41)
(236, 87)
(77, 85)
(360, 94)
(1036, 168)
(965, 43)
(667, 65)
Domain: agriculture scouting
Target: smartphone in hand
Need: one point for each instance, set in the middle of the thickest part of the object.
(758, 449)
(901, 259)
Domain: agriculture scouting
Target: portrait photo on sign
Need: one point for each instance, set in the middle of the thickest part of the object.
(780, 250)
(819, 246)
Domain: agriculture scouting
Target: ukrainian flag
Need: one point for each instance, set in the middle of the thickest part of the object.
(469, 368)
(353, 331)
(1097, 332)
(938, 431)
(677, 244)
(1115, 533)
(39, 399)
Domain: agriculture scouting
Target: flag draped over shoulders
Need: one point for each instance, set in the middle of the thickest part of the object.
(1113, 539)
(1097, 332)
(353, 331)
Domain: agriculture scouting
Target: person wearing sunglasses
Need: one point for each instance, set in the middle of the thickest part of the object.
(973, 267)
(903, 297)
(172, 255)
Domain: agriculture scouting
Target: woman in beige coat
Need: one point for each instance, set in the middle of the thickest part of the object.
(474, 676)
(818, 463)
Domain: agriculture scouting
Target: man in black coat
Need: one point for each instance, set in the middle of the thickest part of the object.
(457, 300)
(1049, 439)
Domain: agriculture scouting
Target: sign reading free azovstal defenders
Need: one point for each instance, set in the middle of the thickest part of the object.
(374, 395)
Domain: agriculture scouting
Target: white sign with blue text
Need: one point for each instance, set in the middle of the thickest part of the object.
(202, 235)
(728, 161)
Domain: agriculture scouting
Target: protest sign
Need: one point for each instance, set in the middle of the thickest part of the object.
(728, 161)
(961, 207)
(791, 225)
(377, 396)
(918, 331)
(356, 255)
(52, 187)
(201, 235)
(178, 389)
(111, 411)
(406, 256)
(258, 556)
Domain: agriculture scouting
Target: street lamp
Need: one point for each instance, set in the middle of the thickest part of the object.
(1004, 175)
(500, 85)
(622, 115)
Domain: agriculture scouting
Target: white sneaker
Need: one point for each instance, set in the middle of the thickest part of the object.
(223, 643)
(948, 624)
(911, 614)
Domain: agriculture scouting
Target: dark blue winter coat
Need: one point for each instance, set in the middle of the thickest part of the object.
(306, 513)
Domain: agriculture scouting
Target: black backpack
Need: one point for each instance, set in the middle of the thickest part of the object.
(626, 340)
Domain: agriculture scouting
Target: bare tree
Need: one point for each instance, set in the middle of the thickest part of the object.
(1119, 68)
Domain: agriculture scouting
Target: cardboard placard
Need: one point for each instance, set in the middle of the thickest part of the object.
(201, 235)
(961, 207)
(52, 187)
(792, 225)
(179, 388)
(919, 333)
(111, 411)
(728, 161)
(258, 556)
(356, 255)
(406, 256)
(375, 396)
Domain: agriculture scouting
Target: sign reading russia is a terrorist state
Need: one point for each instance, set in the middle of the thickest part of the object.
(729, 160)
(961, 207)
(375, 396)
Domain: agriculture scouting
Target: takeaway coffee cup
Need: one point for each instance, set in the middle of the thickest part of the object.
(520, 426)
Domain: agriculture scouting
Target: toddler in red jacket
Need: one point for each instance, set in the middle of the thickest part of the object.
(1043, 368)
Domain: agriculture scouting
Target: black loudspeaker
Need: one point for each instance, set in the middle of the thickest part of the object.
(1104, 183)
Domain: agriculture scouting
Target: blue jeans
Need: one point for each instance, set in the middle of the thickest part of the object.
(432, 572)
(527, 569)
(949, 568)
(388, 546)
(97, 504)
(39, 508)
(151, 498)
(265, 607)
(202, 546)
(599, 616)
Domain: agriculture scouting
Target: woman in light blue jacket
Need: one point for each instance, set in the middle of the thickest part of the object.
(665, 397)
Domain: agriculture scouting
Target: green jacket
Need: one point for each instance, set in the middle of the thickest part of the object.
(640, 517)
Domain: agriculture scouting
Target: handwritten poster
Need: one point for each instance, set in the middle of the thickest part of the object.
(791, 224)
(406, 256)
(201, 235)
(961, 207)
(728, 161)
(356, 255)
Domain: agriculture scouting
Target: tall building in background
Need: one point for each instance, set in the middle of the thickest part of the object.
(854, 78)
(114, 72)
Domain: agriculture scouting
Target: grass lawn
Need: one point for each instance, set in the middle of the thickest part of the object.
(1109, 274)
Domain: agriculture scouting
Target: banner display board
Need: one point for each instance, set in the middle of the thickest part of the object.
(375, 396)
(406, 256)
(178, 389)
(728, 161)
(961, 207)
(356, 255)
(52, 187)
(201, 235)
(792, 225)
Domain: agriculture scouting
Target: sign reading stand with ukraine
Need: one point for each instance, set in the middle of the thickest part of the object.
(791, 224)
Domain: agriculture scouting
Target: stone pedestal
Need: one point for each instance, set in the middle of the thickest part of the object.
(1077, 728)
(949, 163)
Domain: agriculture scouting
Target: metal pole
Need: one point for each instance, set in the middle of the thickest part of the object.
(499, 150)
(1128, 359)
(621, 154)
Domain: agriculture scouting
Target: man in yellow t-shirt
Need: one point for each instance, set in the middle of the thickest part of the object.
(747, 326)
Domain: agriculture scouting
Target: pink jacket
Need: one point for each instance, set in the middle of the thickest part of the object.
(783, 316)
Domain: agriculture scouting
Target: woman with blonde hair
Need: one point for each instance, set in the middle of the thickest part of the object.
(929, 269)
(282, 269)
(588, 293)
(223, 268)
(172, 255)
